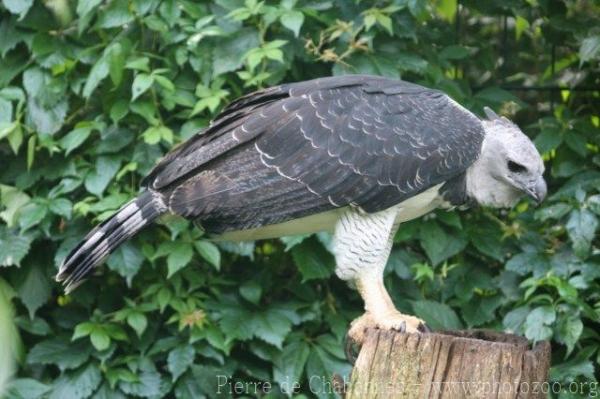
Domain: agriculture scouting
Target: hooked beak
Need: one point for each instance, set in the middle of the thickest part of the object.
(537, 190)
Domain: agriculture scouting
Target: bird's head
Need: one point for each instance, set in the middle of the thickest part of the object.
(508, 168)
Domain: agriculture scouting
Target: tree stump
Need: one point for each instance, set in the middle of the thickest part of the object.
(450, 364)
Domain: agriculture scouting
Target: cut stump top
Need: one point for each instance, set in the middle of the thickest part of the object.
(449, 364)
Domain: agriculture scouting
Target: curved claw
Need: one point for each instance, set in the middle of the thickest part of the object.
(423, 328)
(350, 349)
(402, 327)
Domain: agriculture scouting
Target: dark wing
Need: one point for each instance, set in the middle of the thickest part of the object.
(303, 148)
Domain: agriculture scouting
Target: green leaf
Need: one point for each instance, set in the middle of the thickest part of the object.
(479, 311)
(138, 322)
(79, 384)
(537, 323)
(272, 326)
(556, 211)
(97, 74)
(289, 364)
(61, 352)
(447, 9)
(180, 359)
(527, 262)
(438, 244)
(75, 138)
(515, 319)
(321, 364)
(116, 62)
(34, 288)
(105, 169)
(12, 200)
(115, 15)
(154, 134)
(593, 203)
(438, 316)
(100, 339)
(590, 49)
(228, 55)
(581, 227)
(313, 261)
(292, 20)
(126, 260)
(61, 207)
(119, 109)
(209, 252)
(568, 332)
(148, 384)
(27, 388)
(141, 84)
(251, 291)
(36, 326)
(180, 255)
(32, 214)
(19, 7)
(13, 247)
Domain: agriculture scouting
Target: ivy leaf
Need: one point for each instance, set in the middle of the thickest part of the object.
(313, 261)
(210, 252)
(141, 83)
(569, 330)
(251, 291)
(319, 366)
(75, 138)
(32, 214)
(116, 14)
(12, 200)
(590, 49)
(481, 310)
(581, 227)
(515, 319)
(292, 20)
(78, 384)
(289, 364)
(438, 244)
(180, 359)
(138, 322)
(126, 260)
(537, 323)
(105, 169)
(594, 203)
(33, 288)
(100, 339)
(27, 388)
(180, 255)
(61, 352)
(148, 384)
(437, 316)
(272, 326)
(97, 74)
(19, 7)
(13, 247)
(527, 262)
(556, 212)
(61, 207)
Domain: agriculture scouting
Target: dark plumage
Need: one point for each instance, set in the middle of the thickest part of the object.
(300, 149)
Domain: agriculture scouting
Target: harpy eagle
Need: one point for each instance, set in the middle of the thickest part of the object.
(356, 155)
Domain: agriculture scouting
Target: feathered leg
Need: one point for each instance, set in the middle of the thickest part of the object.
(362, 244)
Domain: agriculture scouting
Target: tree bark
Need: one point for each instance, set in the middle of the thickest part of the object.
(451, 364)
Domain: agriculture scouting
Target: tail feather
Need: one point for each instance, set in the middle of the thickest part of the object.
(107, 236)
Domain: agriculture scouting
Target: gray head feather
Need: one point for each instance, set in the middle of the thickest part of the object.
(508, 167)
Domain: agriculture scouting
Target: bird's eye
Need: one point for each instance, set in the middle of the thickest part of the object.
(516, 167)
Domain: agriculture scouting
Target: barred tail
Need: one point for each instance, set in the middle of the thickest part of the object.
(106, 237)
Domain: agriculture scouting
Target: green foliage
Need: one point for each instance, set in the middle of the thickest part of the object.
(93, 92)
